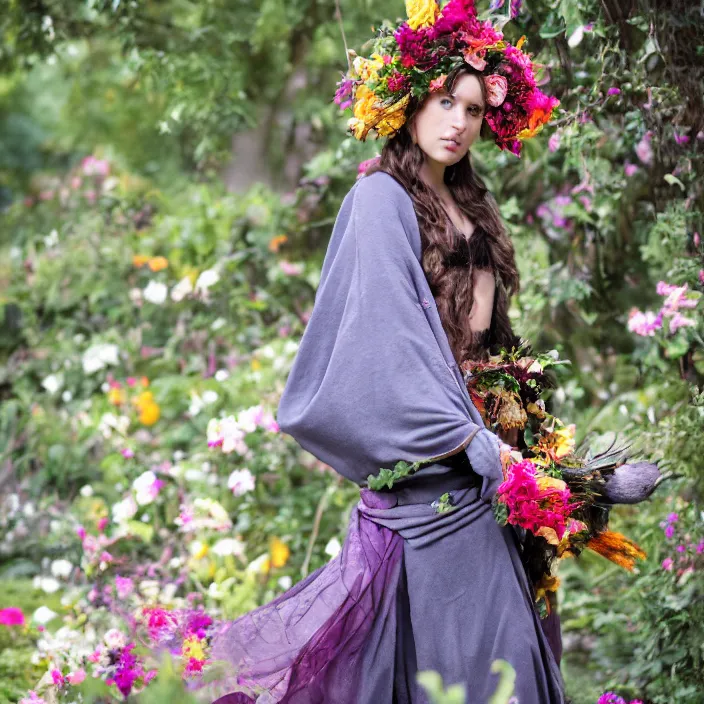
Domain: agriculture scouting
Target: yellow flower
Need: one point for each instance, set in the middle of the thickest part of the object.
(139, 260)
(116, 396)
(144, 398)
(370, 114)
(149, 413)
(279, 553)
(158, 263)
(554, 446)
(256, 365)
(193, 648)
(421, 13)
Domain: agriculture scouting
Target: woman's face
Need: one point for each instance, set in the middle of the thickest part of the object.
(448, 123)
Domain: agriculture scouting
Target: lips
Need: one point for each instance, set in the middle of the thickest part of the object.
(452, 144)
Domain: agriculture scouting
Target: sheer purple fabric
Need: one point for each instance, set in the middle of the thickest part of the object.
(358, 629)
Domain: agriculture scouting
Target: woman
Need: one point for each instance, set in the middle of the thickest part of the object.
(416, 279)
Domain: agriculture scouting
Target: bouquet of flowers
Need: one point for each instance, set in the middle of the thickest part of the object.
(560, 496)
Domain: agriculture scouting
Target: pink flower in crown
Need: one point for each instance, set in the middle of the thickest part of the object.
(437, 83)
(496, 89)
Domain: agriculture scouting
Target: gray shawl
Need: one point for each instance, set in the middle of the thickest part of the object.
(374, 380)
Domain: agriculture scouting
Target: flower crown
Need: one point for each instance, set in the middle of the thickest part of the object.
(415, 58)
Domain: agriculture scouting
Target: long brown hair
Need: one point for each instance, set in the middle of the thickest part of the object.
(451, 285)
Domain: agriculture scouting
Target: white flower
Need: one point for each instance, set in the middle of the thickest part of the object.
(197, 404)
(99, 356)
(155, 292)
(285, 582)
(43, 615)
(241, 481)
(66, 396)
(61, 569)
(123, 510)
(135, 295)
(217, 323)
(181, 289)
(115, 639)
(249, 418)
(52, 239)
(146, 486)
(221, 375)
(87, 491)
(207, 278)
(149, 588)
(53, 383)
(229, 546)
(48, 585)
(333, 547)
(257, 566)
(210, 396)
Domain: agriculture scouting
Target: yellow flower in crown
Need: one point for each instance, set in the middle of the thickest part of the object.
(421, 13)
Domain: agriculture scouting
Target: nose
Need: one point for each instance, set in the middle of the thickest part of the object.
(459, 121)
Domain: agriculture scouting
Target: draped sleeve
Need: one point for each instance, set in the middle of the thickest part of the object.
(374, 380)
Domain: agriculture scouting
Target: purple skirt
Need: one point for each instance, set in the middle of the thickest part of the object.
(413, 589)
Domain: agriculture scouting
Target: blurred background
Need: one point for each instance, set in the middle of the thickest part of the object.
(170, 172)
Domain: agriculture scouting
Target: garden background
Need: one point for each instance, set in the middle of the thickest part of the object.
(169, 176)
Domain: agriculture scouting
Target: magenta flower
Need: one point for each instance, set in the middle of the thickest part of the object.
(610, 698)
(613, 91)
(669, 531)
(124, 586)
(667, 564)
(672, 517)
(630, 169)
(366, 164)
(12, 616)
(345, 93)
(681, 138)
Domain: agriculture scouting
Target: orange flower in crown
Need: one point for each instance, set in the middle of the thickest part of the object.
(414, 58)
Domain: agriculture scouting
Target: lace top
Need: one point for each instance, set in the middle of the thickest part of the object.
(474, 253)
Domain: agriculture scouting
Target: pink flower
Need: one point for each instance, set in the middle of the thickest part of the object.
(128, 453)
(76, 677)
(696, 239)
(554, 141)
(290, 269)
(669, 531)
(102, 523)
(630, 169)
(496, 90)
(613, 91)
(667, 564)
(95, 167)
(643, 149)
(345, 93)
(701, 276)
(57, 677)
(437, 83)
(124, 586)
(11, 616)
(680, 321)
(367, 164)
(644, 324)
(33, 698)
